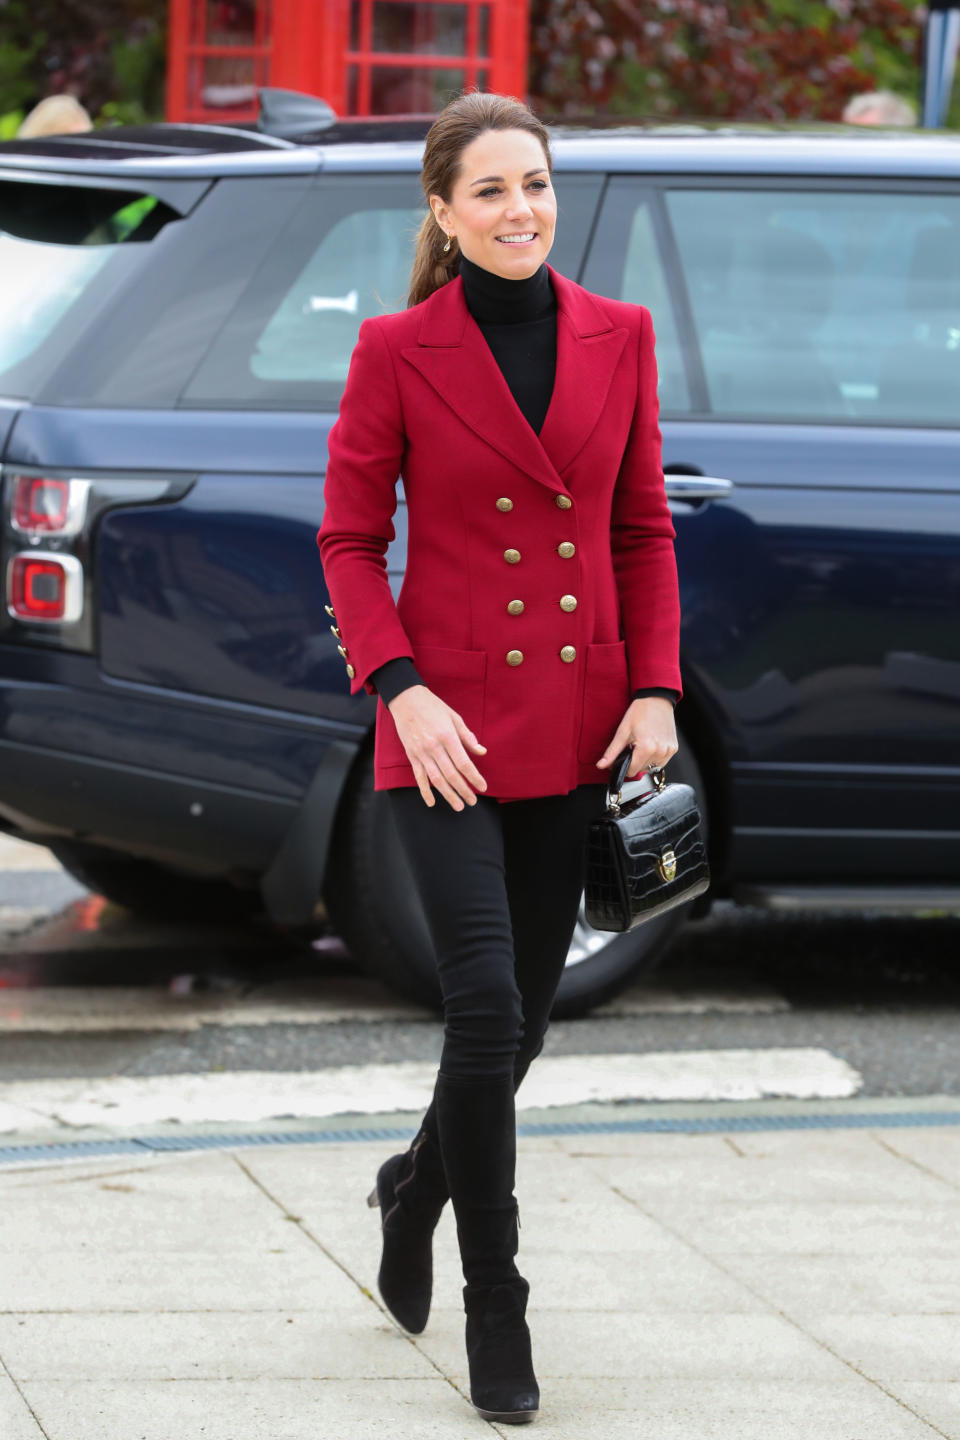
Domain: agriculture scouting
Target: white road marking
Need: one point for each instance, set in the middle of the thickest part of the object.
(256, 1095)
(655, 998)
(67, 1009)
(59, 1009)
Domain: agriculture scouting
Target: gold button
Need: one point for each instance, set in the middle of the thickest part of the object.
(329, 610)
(350, 671)
(335, 629)
(515, 607)
(511, 556)
(564, 502)
(342, 651)
(504, 503)
(566, 549)
(568, 602)
(568, 653)
(514, 657)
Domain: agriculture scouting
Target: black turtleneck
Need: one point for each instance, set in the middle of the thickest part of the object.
(518, 320)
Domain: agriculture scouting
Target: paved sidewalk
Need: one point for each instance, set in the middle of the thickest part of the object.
(781, 1284)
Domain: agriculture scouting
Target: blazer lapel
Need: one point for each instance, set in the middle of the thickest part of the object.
(456, 360)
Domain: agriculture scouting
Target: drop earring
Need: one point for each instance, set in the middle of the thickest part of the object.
(447, 246)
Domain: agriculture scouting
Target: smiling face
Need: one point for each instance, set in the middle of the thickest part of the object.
(504, 189)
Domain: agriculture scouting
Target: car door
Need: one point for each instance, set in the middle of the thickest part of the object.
(809, 348)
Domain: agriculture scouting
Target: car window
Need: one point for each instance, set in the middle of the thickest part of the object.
(644, 283)
(347, 255)
(360, 267)
(626, 263)
(824, 305)
(61, 247)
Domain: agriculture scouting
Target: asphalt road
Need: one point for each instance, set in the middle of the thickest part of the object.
(747, 1002)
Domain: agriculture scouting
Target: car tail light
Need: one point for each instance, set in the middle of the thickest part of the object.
(44, 586)
(42, 505)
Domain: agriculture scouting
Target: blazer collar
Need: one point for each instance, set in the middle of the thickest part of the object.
(456, 360)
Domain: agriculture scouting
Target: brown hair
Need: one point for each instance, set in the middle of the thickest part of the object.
(459, 122)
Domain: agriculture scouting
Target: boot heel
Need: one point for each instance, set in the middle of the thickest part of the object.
(372, 1199)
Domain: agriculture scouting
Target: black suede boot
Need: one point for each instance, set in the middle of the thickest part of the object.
(405, 1278)
(499, 1352)
(411, 1191)
(478, 1141)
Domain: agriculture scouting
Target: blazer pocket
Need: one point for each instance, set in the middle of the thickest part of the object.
(456, 676)
(606, 695)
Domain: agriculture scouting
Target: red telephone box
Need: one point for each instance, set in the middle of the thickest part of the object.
(364, 57)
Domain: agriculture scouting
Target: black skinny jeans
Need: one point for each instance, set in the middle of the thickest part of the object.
(500, 886)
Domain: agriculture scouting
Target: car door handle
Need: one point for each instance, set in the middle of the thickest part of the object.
(696, 487)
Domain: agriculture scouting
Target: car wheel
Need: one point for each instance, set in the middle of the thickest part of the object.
(150, 890)
(373, 905)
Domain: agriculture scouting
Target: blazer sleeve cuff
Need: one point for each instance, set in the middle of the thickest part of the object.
(394, 677)
(672, 695)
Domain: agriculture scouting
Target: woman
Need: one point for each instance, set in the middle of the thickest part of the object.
(536, 634)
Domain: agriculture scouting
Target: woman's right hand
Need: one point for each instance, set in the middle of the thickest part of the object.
(434, 737)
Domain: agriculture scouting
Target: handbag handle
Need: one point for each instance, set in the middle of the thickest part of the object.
(618, 775)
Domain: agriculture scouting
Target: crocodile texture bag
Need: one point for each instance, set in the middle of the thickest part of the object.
(643, 856)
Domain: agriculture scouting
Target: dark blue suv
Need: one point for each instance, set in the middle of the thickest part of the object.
(178, 307)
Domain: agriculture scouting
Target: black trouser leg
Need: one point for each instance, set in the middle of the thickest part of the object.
(545, 865)
(544, 873)
(500, 886)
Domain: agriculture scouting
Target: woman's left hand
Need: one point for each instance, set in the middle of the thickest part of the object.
(650, 727)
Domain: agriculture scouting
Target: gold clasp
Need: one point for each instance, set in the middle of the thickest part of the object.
(667, 865)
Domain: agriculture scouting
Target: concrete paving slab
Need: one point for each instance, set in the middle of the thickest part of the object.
(428, 1409)
(852, 1168)
(892, 1348)
(805, 1286)
(28, 1178)
(651, 1284)
(827, 1229)
(642, 1348)
(543, 1173)
(323, 1343)
(937, 1403)
(655, 1145)
(16, 1421)
(935, 1150)
(700, 1309)
(737, 1408)
(178, 1209)
(300, 1278)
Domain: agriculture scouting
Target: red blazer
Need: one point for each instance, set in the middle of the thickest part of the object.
(541, 581)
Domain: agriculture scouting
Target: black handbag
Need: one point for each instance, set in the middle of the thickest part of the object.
(643, 856)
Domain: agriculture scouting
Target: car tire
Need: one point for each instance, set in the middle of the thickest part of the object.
(373, 906)
(150, 890)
